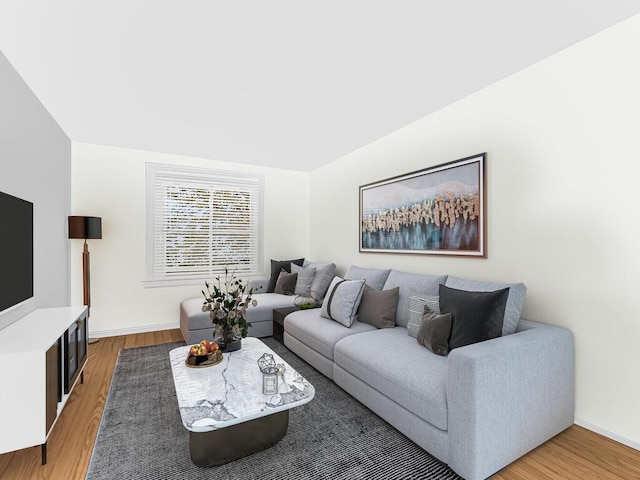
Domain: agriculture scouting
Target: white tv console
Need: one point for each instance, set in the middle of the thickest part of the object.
(42, 356)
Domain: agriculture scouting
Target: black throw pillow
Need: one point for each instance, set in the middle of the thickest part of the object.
(276, 267)
(475, 316)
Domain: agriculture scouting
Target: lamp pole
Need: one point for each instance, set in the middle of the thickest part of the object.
(86, 228)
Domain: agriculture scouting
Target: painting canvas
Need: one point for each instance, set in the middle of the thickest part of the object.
(439, 210)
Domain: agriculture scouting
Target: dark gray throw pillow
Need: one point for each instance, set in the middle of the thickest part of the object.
(276, 267)
(286, 283)
(378, 307)
(434, 332)
(475, 316)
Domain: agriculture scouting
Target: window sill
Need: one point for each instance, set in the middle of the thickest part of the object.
(185, 282)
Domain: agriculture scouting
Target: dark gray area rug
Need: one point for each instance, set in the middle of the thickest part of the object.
(334, 436)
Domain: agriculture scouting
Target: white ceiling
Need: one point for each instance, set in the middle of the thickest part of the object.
(290, 84)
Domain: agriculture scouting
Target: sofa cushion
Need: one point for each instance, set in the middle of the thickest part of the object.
(476, 316)
(319, 333)
(305, 278)
(515, 302)
(374, 277)
(286, 283)
(434, 332)
(394, 364)
(425, 284)
(342, 300)
(324, 274)
(417, 304)
(378, 307)
(276, 267)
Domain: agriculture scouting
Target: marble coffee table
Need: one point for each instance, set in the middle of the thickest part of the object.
(224, 409)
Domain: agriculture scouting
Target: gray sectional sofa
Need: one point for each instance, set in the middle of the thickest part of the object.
(477, 409)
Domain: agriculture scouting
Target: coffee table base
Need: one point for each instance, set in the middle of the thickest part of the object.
(209, 449)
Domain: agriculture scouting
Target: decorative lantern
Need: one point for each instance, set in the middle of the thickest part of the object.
(269, 374)
(265, 361)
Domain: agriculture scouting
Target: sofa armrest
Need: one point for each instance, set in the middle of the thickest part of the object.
(259, 285)
(508, 395)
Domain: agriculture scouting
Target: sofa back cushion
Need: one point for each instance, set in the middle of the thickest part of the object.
(409, 283)
(374, 277)
(515, 301)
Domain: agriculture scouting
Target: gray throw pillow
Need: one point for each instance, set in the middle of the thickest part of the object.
(276, 266)
(475, 316)
(305, 279)
(342, 300)
(378, 307)
(286, 283)
(322, 279)
(417, 303)
(434, 332)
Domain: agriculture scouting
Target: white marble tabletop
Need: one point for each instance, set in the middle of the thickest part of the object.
(231, 392)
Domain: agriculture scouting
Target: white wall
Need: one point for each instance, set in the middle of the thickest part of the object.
(562, 174)
(35, 164)
(109, 182)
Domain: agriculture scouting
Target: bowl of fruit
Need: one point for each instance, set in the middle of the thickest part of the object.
(205, 354)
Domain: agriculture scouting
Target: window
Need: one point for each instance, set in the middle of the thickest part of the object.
(201, 221)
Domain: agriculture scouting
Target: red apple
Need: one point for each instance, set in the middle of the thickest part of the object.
(213, 346)
(205, 344)
(194, 350)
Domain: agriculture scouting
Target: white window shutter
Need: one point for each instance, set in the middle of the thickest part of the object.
(200, 222)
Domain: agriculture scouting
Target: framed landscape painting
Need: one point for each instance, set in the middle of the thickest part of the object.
(437, 211)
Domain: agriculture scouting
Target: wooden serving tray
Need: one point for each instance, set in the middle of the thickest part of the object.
(203, 361)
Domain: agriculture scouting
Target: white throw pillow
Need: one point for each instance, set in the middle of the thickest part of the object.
(417, 302)
(305, 279)
(342, 300)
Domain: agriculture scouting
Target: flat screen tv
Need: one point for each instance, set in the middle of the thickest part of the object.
(16, 258)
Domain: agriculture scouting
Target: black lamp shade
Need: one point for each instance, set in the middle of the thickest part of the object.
(85, 227)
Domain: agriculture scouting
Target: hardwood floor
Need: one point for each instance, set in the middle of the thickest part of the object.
(576, 453)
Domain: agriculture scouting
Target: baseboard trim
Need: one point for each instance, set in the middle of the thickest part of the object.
(606, 433)
(130, 331)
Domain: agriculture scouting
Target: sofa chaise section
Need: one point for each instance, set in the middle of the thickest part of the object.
(196, 324)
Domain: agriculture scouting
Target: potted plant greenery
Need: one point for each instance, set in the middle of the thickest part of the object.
(227, 302)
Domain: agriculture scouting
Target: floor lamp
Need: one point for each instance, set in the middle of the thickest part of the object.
(86, 228)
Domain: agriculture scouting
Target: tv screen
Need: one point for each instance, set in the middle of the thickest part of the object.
(16, 251)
